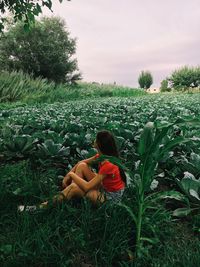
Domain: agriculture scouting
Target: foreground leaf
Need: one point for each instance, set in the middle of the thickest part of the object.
(182, 212)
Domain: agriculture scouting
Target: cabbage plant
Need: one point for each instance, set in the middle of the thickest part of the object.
(52, 152)
(190, 186)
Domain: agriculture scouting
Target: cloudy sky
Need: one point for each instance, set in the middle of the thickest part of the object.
(116, 39)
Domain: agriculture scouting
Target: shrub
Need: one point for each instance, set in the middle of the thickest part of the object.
(185, 77)
(145, 79)
(164, 86)
(16, 85)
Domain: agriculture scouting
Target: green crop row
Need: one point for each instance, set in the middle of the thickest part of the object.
(163, 162)
(64, 133)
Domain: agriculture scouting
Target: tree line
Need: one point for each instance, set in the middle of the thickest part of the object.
(180, 79)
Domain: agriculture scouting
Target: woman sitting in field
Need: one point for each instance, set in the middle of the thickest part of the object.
(107, 184)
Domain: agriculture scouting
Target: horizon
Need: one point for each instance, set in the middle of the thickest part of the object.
(116, 41)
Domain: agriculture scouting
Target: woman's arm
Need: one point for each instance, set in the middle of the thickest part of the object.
(89, 160)
(84, 185)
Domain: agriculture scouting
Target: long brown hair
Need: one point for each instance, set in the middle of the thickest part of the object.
(107, 145)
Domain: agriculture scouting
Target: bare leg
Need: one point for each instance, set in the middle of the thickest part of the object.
(68, 193)
(95, 196)
(72, 190)
(82, 170)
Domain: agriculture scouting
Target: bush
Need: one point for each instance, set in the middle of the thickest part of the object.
(164, 86)
(185, 77)
(145, 79)
(16, 85)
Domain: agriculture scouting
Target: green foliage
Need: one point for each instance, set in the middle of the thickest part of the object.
(76, 233)
(71, 233)
(47, 46)
(18, 86)
(24, 10)
(191, 188)
(39, 142)
(179, 247)
(62, 122)
(81, 90)
(20, 146)
(50, 152)
(164, 86)
(145, 79)
(152, 148)
(185, 77)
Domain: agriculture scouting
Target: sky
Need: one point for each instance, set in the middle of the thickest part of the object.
(117, 39)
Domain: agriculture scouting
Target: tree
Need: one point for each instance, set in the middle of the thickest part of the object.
(44, 51)
(23, 10)
(164, 86)
(185, 77)
(145, 79)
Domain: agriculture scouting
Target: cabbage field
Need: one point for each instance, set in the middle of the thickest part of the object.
(159, 140)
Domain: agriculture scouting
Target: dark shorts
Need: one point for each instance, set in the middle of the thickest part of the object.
(115, 196)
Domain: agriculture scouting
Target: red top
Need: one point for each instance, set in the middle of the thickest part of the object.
(112, 181)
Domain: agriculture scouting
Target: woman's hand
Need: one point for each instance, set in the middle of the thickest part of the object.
(67, 180)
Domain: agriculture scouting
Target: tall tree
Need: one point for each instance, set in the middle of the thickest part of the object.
(24, 10)
(145, 79)
(47, 50)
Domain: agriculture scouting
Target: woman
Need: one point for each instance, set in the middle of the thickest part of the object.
(107, 184)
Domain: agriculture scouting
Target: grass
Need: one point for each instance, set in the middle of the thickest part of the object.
(76, 233)
(82, 91)
(180, 247)
(17, 86)
(70, 233)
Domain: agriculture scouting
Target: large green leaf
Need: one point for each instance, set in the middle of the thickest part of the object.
(166, 195)
(146, 139)
(159, 135)
(191, 187)
(194, 194)
(50, 149)
(182, 212)
(171, 144)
